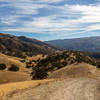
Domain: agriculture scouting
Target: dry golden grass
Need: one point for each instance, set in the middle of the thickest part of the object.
(8, 60)
(76, 71)
(8, 89)
(8, 77)
(40, 56)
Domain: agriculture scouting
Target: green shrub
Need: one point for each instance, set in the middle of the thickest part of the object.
(2, 66)
(13, 68)
(39, 73)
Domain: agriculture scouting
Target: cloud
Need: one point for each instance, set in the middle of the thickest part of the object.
(9, 20)
(93, 27)
(24, 7)
(49, 25)
(36, 1)
(47, 18)
(90, 14)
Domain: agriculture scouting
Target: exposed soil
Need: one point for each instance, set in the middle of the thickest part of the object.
(73, 89)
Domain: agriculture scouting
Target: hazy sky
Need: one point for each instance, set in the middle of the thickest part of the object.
(50, 19)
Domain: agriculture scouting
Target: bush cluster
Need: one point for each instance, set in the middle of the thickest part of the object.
(13, 68)
(2, 66)
(57, 61)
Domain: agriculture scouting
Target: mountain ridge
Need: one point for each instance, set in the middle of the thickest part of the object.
(75, 38)
(22, 46)
(90, 44)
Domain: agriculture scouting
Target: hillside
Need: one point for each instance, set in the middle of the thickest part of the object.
(23, 74)
(67, 72)
(73, 89)
(23, 46)
(11, 88)
(10, 76)
(81, 84)
(90, 44)
(57, 61)
(76, 71)
(9, 60)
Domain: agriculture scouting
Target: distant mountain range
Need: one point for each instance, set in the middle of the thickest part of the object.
(90, 44)
(23, 46)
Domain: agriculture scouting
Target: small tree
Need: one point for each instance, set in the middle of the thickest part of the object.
(13, 68)
(2, 66)
(39, 73)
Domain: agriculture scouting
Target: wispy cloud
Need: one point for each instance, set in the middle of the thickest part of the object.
(50, 17)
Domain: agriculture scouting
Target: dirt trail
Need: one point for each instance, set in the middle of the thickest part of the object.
(73, 89)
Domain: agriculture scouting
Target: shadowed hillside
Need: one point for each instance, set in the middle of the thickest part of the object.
(22, 46)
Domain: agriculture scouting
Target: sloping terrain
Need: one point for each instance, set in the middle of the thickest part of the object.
(22, 46)
(77, 82)
(90, 44)
(73, 89)
(58, 61)
(11, 88)
(8, 60)
(76, 71)
(8, 76)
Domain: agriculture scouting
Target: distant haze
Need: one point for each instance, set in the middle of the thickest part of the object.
(91, 44)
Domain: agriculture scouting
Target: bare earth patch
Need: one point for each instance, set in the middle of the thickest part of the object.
(73, 89)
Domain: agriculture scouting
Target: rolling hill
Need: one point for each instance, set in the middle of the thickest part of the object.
(10, 76)
(58, 61)
(76, 71)
(90, 44)
(23, 46)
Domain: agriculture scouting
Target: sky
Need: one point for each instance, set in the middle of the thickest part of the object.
(50, 19)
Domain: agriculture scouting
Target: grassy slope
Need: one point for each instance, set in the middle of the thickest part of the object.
(58, 61)
(8, 76)
(71, 71)
(8, 89)
(8, 60)
(76, 71)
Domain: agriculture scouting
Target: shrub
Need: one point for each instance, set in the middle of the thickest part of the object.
(98, 66)
(13, 68)
(2, 66)
(39, 73)
(29, 66)
(57, 61)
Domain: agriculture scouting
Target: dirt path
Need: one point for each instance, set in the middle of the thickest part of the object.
(74, 89)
